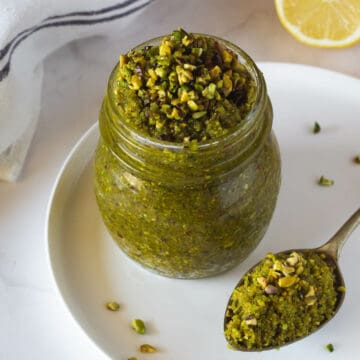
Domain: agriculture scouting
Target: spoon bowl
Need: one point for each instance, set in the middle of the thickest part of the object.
(331, 252)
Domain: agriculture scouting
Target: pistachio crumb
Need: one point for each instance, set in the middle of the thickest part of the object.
(146, 348)
(316, 128)
(310, 300)
(271, 290)
(113, 306)
(262, 281)
(323, 181)
(250, 320)
(330, 347)
(287, 281)
(139, 326)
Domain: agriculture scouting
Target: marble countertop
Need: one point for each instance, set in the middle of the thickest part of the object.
(34, 323)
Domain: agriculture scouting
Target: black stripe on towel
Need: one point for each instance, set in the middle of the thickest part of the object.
(20, 37)
(89, 13)
(93, 12)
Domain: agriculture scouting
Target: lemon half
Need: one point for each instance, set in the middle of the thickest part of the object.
(321, 23)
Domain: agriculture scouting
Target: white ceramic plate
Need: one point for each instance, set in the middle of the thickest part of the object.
(185, 317)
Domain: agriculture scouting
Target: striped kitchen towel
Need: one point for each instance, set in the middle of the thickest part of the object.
(29, 31)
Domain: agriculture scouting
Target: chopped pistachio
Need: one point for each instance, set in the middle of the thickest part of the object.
(299, 270)
(287, 270)
(122, 60)
(138, 325)
(311, 292)
(146, 348)
(150, 82)
(227, 85)
(199, 114)
(184, 76)
(341, 289)
(197, 51)
(310, 300)
(250, 320)
(323, 181)
(161, 72)
(164, 50)
(215, 72)
(209, 91)
(292, 260)
(316, 128)
(189, 67)
(192, 105)
(184, 95)
(271, 290)
(186, 40)
(152, 74)
(135, 82)
(287, 281)
(277, 265)
(132, 358)
(226, 56)
(113, 306)
(330, 347)
(262, 281)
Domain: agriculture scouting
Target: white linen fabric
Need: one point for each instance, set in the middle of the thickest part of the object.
(29, 31)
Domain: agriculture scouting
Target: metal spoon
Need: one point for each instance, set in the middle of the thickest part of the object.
(331, 249)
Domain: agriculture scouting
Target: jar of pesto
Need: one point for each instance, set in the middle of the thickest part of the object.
(188, 209)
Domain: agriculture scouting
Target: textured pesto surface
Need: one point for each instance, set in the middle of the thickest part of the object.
(285, 297)
(188, 231)
(188, 88)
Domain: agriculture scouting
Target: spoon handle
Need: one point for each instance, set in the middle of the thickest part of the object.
(336, 243)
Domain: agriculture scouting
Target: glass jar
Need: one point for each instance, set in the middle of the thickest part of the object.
(188, 212)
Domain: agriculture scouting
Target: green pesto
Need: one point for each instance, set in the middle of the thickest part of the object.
(285, 297)
(188, 88)
(189, 211)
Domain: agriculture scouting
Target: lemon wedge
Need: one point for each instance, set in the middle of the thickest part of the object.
(321, 23)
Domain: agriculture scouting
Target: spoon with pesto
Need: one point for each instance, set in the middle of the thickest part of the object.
(287, 296)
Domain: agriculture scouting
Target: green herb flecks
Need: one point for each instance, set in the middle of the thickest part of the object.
(316, 128)
(190, 87)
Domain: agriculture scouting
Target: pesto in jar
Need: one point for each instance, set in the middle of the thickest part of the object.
(189, 192)
(284, 298)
